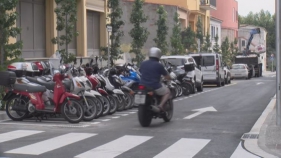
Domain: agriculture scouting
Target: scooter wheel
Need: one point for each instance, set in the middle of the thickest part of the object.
(72, 111)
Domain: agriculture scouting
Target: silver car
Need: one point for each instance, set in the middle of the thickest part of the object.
(239, 71)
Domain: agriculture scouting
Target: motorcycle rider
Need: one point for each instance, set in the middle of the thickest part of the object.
(151, 71)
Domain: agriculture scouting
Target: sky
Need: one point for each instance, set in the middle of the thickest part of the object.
(245, 6)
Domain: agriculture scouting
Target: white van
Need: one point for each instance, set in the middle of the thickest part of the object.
(211, 67)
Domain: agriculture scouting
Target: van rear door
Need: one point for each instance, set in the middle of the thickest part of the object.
(208, 67)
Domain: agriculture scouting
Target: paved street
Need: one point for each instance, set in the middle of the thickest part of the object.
(205, 125)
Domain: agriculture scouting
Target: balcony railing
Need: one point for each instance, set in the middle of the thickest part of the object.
(208, 4)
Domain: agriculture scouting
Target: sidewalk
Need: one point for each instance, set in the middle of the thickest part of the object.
(270, 135)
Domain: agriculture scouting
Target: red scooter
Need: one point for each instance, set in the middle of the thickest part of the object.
(25, 98)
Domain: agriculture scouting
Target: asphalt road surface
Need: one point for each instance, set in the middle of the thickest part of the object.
(205, 125)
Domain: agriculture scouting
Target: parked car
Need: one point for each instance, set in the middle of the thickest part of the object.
(211, 66)
(180, 61)
(240, 71)
(227, 75)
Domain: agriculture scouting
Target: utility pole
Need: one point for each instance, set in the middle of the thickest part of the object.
(278, 65)
(109, 29)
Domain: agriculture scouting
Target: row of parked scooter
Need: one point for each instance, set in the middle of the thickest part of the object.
(84, 92)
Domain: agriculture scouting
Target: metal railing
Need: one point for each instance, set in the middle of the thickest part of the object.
(209, 2)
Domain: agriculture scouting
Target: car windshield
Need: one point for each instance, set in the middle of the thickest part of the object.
(208, 61)
(176, 61)
(238, 67)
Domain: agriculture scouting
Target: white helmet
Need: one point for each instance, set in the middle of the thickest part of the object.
(155, 52)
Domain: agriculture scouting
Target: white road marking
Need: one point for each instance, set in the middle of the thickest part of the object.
(94, 123)
(115, 117)
(105, 120)
(240, 152)
(184, 148)
(259, 83)
(115, 147)
(121, 114)
(4, 137)
(200, 111)
(51, 144)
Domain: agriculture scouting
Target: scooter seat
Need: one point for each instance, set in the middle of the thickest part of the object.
(49, 85)
(29, 87)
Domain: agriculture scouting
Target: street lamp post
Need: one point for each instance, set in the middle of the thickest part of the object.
(109, 29)
(278, 65)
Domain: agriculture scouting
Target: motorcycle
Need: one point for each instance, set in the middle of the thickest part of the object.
(145, 98)
(26, 98)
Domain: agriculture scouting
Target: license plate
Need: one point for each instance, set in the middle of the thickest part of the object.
(140, 99)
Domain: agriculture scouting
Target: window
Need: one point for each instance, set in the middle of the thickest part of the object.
(208, 60)
(217, 32)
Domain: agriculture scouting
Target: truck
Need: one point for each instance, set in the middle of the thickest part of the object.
(252, 59)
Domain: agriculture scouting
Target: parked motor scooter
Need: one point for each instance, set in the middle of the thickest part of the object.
(25, 97)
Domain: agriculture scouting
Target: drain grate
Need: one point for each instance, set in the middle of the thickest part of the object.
(250, 136)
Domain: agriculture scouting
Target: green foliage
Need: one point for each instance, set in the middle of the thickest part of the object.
(234, 49)
(263, 19)
(199, 30)
(138, 33)
(176, 41)
(226, 53)
(115, 22)
(188, 38)
(207, 44)
(216, 47)
(162, 30)
(8, 51)
(66, 12)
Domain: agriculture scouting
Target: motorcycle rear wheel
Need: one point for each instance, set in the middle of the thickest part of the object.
(128, 101)
(20, 114)
(144, 116)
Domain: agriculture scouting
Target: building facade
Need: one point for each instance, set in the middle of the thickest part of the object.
(150, 10)
(215, 30)
(37, 21)
(258, 43)
(227, 11)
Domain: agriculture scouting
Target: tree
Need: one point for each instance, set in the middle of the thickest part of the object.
(115, 22)
(138, 32)
(188, 38)
(234, 49)
(263, 19)
(66, 21)
(8, 16)
(176, 44)
(216, 47)
(199, 30)
(162, 30)
(207, 44)
(225, 49)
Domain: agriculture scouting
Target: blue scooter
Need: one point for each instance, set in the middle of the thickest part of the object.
(131, 77)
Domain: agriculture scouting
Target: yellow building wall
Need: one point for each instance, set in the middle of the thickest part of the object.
(179, 3)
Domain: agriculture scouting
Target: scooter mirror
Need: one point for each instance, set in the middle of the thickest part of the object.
(81, 60)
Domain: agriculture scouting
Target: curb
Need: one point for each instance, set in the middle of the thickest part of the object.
(252, 144)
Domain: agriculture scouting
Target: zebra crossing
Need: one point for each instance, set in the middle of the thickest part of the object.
(181, 148)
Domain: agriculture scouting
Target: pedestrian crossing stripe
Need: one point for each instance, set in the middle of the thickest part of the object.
(51, 144)
(182, 148)
(17, 134)
(115, 148)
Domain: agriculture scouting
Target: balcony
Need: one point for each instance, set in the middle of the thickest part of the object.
(208, 4)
